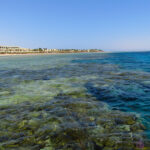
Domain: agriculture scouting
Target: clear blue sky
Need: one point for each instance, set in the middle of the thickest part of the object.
(105, 24)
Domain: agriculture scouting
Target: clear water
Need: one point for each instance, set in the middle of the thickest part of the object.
(75, 101)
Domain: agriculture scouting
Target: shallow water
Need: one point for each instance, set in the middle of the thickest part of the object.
(75, 101)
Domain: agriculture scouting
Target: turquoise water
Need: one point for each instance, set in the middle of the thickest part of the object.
(75, 101)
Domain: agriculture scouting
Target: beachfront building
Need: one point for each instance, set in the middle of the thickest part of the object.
(13, 49)
(19, 50)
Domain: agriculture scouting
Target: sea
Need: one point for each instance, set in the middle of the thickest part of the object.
(82, 101)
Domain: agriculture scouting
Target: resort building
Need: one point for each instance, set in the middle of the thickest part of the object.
(13, 49)
(19, 50)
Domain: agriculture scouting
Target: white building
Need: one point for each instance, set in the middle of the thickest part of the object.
(13, 49)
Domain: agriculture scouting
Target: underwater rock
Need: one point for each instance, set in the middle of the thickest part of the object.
(108, 148)
(5, 93)
(111, 141)
(137, 126)
(67, 123)
(47, 148)
(35, 114)
(125, 128)
(22, 124)
(34, 123)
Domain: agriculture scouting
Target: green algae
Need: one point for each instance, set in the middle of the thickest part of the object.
(34, 91)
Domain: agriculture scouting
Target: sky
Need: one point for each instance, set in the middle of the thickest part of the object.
(104, 24)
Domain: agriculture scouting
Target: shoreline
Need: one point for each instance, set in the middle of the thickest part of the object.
(36, 54)
(30, 54)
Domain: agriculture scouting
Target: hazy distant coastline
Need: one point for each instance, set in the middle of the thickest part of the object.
(14, 50)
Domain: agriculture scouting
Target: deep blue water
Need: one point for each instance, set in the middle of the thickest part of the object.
(134, 83)
(62, 98)
(128, 60)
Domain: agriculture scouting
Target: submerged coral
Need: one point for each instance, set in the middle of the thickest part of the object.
(68, 123)
(74, 103)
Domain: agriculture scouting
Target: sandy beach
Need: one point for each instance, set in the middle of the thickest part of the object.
(28, 54)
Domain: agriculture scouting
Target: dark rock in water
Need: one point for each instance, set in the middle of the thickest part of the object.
(46, 78)
(119, 121)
